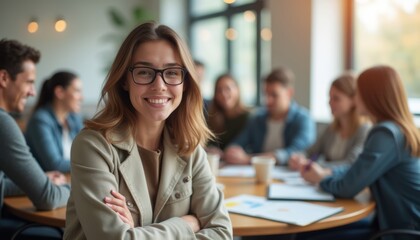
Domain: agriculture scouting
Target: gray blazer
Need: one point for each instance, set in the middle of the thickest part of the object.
(187, 186)
(353, 148)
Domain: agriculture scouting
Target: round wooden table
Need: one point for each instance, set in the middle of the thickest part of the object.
(354, 210)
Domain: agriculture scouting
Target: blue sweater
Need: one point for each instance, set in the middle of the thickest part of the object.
(393, 175)
(44, 135)
(299, 133)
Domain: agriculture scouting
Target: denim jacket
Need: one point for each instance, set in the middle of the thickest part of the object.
(44, 136)
(387, 167)
(299, 133)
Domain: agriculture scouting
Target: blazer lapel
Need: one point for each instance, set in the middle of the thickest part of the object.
(132, 172)
(171, 172)
(136, 183)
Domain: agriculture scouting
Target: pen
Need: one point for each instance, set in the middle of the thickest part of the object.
(313, 158)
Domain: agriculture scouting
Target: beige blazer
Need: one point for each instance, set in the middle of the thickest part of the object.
(186, 187)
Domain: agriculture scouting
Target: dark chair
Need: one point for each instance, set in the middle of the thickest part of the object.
(19, 234)
(395, 232)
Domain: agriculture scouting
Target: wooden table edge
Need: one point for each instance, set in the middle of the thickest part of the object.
(29, 215)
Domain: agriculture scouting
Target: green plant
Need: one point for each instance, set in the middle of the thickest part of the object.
(123, 26)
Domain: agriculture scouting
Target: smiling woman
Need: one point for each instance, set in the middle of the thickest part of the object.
(145, 146)
(55, 121)
(154, 96)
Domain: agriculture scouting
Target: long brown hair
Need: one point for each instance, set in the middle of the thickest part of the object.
(346, 84)
(217, 115)
(186, 124)
(384, 96)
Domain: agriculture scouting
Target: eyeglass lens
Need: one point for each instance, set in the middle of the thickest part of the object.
(145, 75)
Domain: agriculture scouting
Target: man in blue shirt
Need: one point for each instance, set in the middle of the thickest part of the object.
(278, 129)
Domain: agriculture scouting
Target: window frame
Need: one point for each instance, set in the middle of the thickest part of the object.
(258, 6)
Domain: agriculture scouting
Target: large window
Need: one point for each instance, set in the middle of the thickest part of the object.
(388, 32)
(231, 36)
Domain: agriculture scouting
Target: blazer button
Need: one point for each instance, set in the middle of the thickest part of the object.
(186, 179)
(177, 195)
(129, 204)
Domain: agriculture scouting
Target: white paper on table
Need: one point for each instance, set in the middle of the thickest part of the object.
(278, 191)
(280, 173)
(237, 171)
(295, 181)
(293, 212)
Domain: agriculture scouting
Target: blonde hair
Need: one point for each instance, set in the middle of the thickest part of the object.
(186, 124)
(217, 115)
(383, 94)
(346, 84)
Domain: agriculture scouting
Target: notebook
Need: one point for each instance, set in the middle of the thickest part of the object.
(291, 212)
(302, 192)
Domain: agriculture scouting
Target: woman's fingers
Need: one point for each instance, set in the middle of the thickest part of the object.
(118, 204)
(118, 195)
(124, 219)
(115, 201)
(117, 209)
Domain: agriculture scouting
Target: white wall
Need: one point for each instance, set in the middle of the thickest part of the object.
(327, 54)
(308, 38)
(83, 48)
(291, 42)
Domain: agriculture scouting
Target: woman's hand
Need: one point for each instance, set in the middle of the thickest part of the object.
(297, 161)
(56, 177)
(118, 204)
(314, 173)
(193, 222)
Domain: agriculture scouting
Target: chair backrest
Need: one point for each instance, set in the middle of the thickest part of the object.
(396, 232)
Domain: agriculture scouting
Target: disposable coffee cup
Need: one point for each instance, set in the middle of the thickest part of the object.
(213, 160)
(263, 167)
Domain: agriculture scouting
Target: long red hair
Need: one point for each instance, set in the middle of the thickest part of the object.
(384, 96)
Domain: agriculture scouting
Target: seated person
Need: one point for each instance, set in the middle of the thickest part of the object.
(389, 163)
(139, 170)
(279, 129)
(55, 122)
(227, 114)
(342, 141)
(19, 171)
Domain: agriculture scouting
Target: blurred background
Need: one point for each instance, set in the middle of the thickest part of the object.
(317, 39)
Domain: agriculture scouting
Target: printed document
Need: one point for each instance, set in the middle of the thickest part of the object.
(292, 212)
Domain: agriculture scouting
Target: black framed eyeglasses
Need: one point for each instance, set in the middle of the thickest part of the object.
(146, 75)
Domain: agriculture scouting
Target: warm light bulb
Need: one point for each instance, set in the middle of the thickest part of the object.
(33, 26)
(60, 25)
(266, 34)
(230, 34)
(249, 16)
(229, 1)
